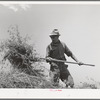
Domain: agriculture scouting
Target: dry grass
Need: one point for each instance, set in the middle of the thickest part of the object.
(18, 79)
(19, 58)
(18, 51)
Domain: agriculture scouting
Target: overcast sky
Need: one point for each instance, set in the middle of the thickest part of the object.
(78, 24)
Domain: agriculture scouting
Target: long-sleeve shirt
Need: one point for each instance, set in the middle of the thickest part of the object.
(57, 50)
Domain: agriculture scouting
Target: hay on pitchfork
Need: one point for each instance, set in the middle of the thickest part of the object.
(19, 53)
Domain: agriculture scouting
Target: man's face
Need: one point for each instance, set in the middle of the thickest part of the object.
(54, 38)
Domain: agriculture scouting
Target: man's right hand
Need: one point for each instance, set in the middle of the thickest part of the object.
(49, 59)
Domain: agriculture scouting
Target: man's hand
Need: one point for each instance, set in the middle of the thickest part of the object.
(49, 59)
(80, 63)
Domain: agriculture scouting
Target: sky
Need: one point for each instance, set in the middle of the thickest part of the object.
(78, 25)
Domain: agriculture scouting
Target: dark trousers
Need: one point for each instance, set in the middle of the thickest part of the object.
(60, 71)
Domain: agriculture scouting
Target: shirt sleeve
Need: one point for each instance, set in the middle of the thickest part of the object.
(67, 50)
(48, 51)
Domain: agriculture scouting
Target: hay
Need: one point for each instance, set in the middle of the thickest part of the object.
(22, 80)
(19, 52)
(22, 57)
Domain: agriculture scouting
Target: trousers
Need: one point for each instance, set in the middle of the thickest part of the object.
(60, 71)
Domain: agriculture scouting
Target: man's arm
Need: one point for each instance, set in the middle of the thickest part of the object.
(69, 53)
(47, 51)
(74, 58)
(48, 58)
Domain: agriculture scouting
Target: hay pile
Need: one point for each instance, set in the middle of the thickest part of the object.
(19, 53)
(22, 80)
(22, 57)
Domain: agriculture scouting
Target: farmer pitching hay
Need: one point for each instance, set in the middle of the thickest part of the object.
(56, 50)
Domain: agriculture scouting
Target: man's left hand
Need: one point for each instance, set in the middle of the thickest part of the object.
(80, 63)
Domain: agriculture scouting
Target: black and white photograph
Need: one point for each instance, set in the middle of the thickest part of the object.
(50, 46)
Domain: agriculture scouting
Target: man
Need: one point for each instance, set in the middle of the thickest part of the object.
(56, 50)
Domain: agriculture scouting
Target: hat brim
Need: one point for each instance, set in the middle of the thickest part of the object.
(54, 34)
